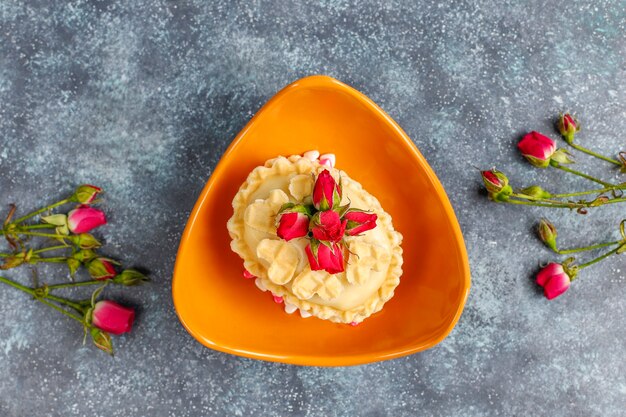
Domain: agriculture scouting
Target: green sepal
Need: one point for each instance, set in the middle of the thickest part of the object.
(562, 157)
(84, 255)
(315, 245)
(295, 208)
(342, 210)
(503, 195)
(85, 241)
(73, 265)
(328, 244)
(130, 277)
(337, 194)
(535, 191)
(539, 163)
(55, 219)
(570, 268)
(102, 340)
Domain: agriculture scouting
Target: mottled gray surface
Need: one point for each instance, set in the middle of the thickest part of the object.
(142, 97)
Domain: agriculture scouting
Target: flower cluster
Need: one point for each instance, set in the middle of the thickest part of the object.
(542, 152)
(325, 222)
(99, 318)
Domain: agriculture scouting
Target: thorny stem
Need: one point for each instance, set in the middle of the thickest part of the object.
(41, 210)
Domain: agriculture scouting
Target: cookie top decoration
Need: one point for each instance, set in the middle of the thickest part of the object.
(316, 239)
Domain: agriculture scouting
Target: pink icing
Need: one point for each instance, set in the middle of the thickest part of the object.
(247, 275)
(277, 299)
(354, 323)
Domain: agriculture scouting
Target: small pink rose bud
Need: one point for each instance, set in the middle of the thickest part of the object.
(537, 149)
(328, 226)
(359, 222)
(101, 269)
(112, 317)
(293, 225)
(322, 257)
(568, 126)
(554, 280)
(85, 218)
(326, 192)
(86, 194)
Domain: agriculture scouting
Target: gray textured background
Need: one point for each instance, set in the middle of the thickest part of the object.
(142, 97)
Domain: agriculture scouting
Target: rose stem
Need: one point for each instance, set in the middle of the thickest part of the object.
(599, 258)
(596, 191)
(580, 174)
(32, 292)
(41, 210)
(74, 284)
(17, 232)
(586, 248)
(592, 153)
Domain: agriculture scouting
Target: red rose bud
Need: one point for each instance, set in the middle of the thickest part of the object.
(84, 218)
(322, 257)
(547, 234)
(359, 222)
(102, 340)
(293, 225)
(86, 194)
(328, 226)
(326, 192)
(568, 126)
(101, 269)
(554, 280)
(497, 185)
(130, 277)
(537, 149)
(85, 241)
(112, 317)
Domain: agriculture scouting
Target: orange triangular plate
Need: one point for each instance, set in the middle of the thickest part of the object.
(228, 313)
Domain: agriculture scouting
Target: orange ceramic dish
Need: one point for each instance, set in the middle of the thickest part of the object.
(228, 313)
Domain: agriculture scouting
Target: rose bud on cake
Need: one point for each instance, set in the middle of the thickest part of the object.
(328, 226)
(326, 192)
(359, 222)
(292, 225)
(326, 256)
